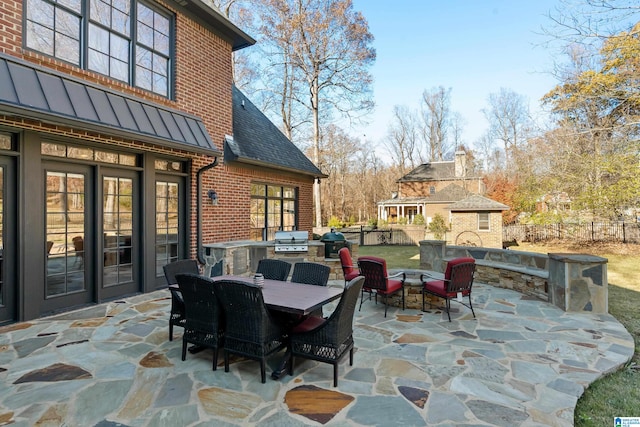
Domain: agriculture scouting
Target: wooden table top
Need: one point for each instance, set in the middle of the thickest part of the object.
(290, 297)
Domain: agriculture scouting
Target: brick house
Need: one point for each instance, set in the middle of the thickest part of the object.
(120, 150)
(476, 221)
(429, 188)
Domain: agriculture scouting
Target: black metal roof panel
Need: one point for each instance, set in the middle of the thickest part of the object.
(27, 90)
(258, 141)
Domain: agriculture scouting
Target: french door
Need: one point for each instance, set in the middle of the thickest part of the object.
(69, 233)
(120, 248)
(92, 242)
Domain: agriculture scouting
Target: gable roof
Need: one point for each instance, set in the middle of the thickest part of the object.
(206, 12)
(434, 171)
(475, 202)
(450, 193)
(256, 140)
(39, 93)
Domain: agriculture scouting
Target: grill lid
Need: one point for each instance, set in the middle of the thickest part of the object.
(291, 237)
(333, 236)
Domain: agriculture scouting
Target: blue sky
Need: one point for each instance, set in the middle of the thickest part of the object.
(474, 47)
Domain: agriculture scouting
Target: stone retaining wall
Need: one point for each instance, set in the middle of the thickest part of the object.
(572, 282)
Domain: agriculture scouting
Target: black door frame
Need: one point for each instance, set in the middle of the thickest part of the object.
(62, 302)
(135, 286)
(9, 307)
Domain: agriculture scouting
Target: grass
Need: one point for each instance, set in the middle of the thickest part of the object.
(616, 394)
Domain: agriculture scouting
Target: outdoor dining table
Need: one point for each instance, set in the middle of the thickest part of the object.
(290, 297)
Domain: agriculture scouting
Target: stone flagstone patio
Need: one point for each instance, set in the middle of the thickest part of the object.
(521, 362)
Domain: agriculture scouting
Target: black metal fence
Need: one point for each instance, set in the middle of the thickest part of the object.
(367, 236)
(622, 232)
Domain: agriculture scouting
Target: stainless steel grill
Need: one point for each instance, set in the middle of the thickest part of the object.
(292, 241)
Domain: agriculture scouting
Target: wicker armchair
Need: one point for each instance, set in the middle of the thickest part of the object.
(204, 322)
(273, 269)
(311, 273)
(376, 280)
(349, 269)
(251, 331)
(328, 340)
(457, 283)
(176, 318)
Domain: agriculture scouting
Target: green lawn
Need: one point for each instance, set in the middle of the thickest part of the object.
(617, 394)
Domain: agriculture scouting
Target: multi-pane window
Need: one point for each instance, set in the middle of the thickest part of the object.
(483, 221)
(109, 38)
(53, 28)
(273, 208)
(152, 50)
(127, 40)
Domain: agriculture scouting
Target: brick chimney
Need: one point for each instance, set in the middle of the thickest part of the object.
(460, 164)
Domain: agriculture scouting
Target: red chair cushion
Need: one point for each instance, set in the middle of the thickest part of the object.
(454, 262)
(439, 287)
(392, 286)
(349, 270)
(309, 324)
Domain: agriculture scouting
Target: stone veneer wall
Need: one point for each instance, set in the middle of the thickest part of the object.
(242, 257)
(572, 282)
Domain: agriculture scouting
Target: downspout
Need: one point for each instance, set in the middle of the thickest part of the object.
(202, 170)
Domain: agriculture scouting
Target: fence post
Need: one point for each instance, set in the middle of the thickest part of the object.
(593, 239)
(624, 234)
(362, 235)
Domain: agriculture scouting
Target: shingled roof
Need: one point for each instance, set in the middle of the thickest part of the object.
(476, 203)
(256, 140)
(434, 171)
(450, 193)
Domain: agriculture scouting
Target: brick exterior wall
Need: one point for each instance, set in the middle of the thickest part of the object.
(203, 81)
(464, 230)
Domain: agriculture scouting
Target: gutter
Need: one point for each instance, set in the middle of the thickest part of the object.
(199, 248)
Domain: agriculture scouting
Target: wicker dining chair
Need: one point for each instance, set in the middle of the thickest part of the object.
(274, 269)
(311, 273)
(251, 330)
(176, 317)
(328, 340)
(204, 320)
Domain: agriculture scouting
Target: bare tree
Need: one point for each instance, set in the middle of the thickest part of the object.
(436, 117)
(332, 50)
(509, 119)
(402, 138)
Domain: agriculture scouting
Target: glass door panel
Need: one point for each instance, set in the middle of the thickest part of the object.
(167, 224)
(65, 215)
(117, 227)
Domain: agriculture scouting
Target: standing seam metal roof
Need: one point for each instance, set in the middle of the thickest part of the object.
(38, 93)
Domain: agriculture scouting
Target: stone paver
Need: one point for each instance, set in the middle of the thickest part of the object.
(521, 362)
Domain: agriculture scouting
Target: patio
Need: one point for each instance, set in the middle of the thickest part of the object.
(522, 362)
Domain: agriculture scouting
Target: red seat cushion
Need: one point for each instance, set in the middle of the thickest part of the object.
(439, 287)
(350, 276)
(392, 286)
(309, 324)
